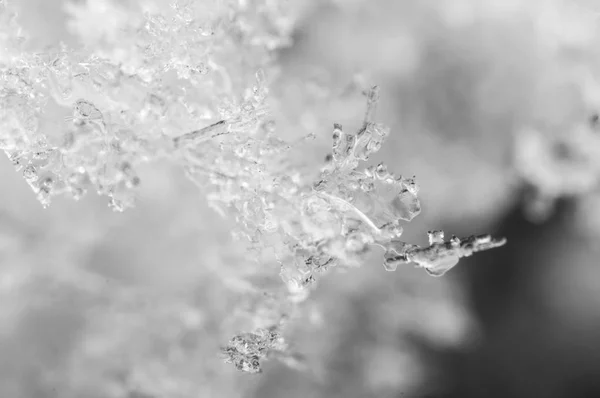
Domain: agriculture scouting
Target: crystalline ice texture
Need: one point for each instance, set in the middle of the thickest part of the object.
(435, 237)
(247, 349)
(440, 256)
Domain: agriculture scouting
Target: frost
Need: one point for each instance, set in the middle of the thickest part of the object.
(188, 82)
(120, 92)
(245, 351)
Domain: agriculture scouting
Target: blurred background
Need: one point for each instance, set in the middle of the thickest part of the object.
(492, 105)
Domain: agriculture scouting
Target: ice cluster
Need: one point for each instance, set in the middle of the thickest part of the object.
(336, 221)
(188, 82)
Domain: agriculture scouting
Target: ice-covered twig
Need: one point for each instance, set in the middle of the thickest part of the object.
(440, 256)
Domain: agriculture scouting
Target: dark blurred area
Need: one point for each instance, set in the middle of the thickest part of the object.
(536, 311)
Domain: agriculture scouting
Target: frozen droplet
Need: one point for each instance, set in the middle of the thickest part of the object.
(30, 173)
(391, 230)
(455, 241)
(411, 185)
(343, 147)
(441, 265)
(201, 69)
(338, 137)
(435, 237)
(391, 264)
(373, 146)
(85, 110)
(381, 171)
(406, 205)
(350, 144)
(367, 186)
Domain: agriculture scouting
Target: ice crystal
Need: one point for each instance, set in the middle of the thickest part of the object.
(246, 350)
(132, 94)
